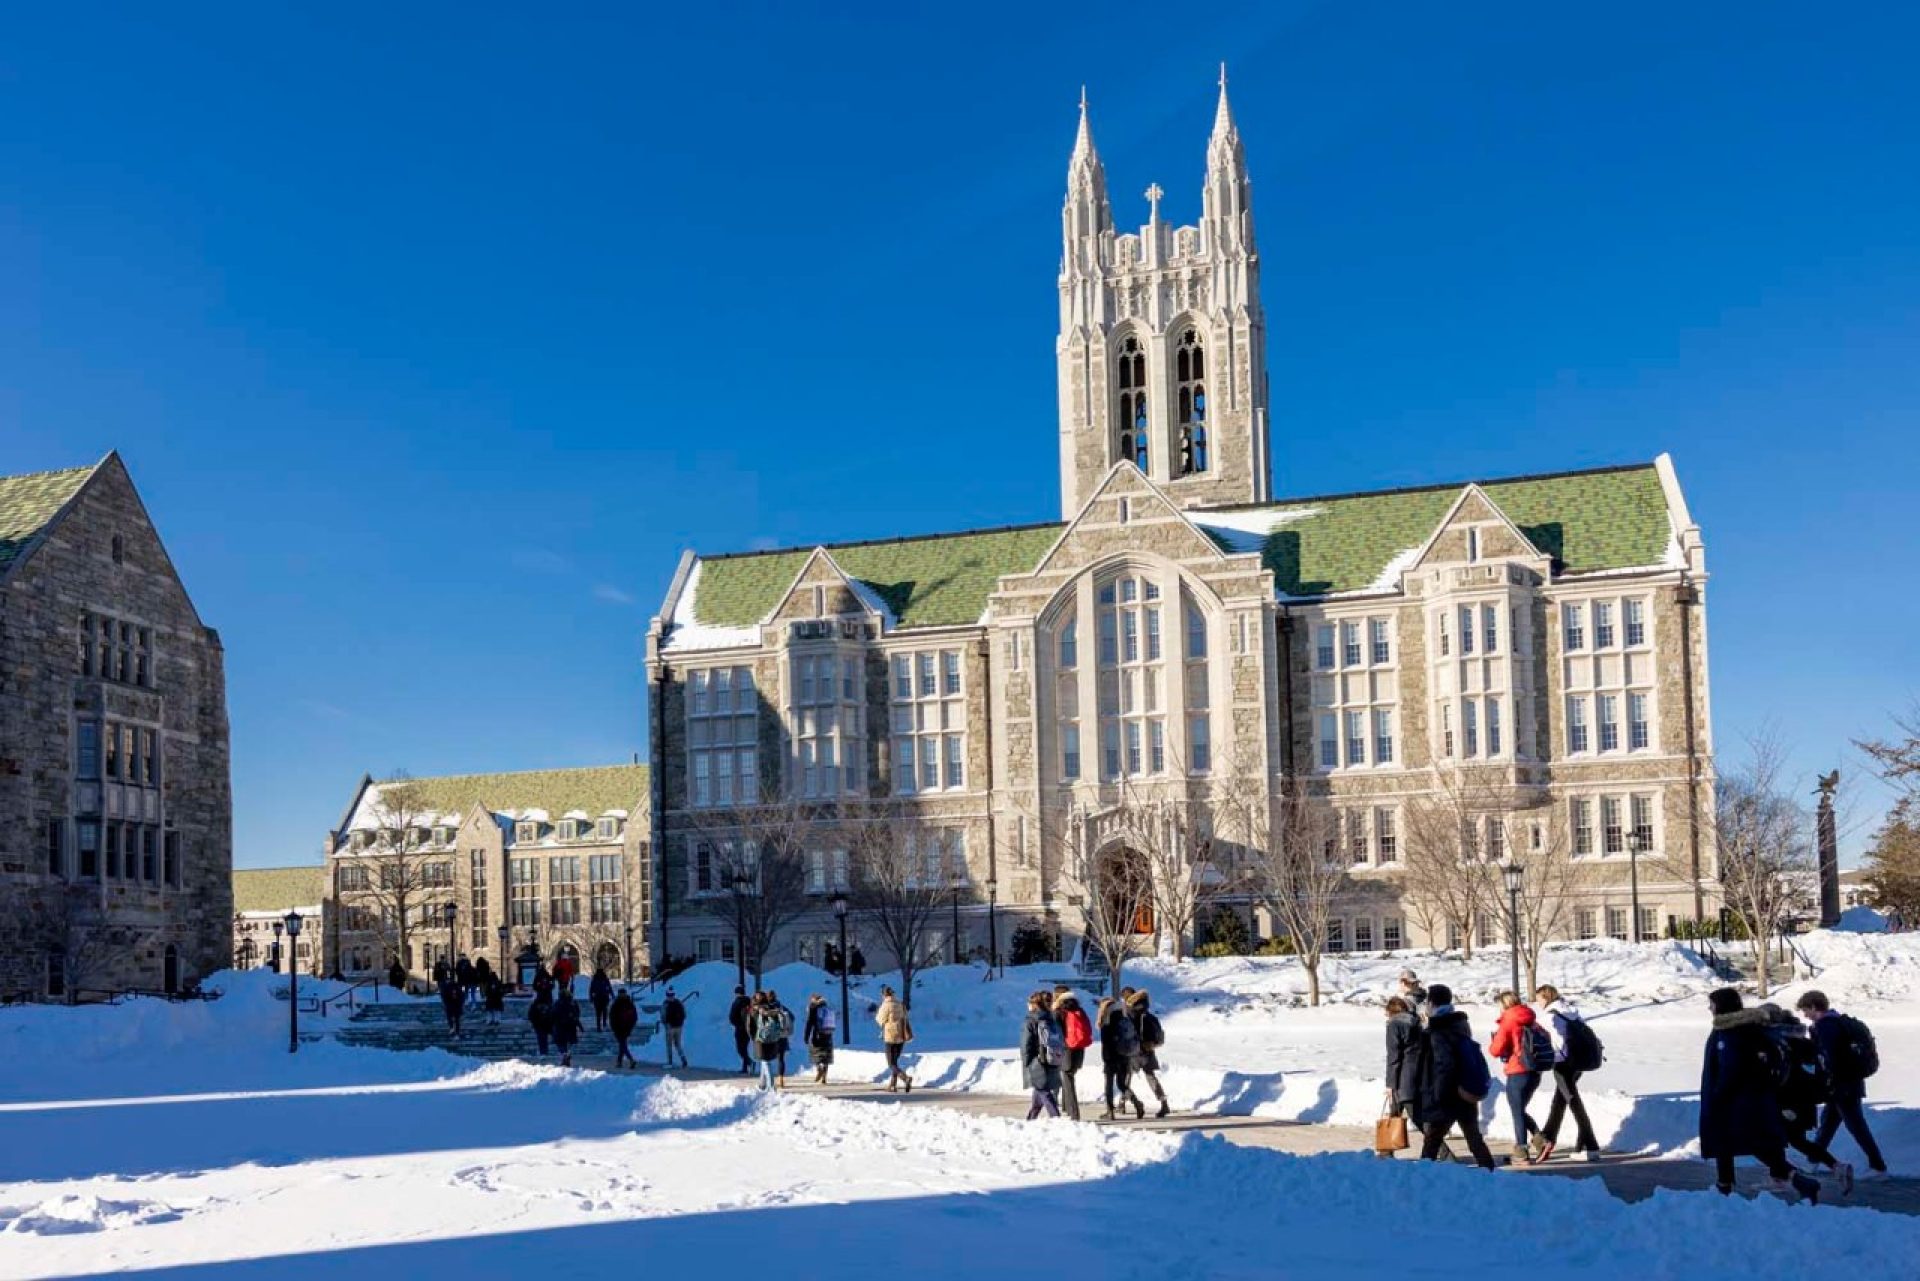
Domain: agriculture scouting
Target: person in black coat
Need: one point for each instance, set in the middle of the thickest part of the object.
(818, 1036)
(600, 993)
(1740, 1076)
(1146, 1024)
(496, 1000)
(1119, 1047)
(1042, 1047)
(566, 1026)
(1403, 1055)
(1830, 1030)
(737, 1019)
(453, 1001)
(397, 976)
(1453, 1078)
(622, 1017)
(540, 1019)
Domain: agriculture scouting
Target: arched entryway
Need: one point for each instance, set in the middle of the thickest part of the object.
(1126, 889)
(170, 971)
(607, 957)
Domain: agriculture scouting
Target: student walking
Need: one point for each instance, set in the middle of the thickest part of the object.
(737, 1015)
(1803, 1088)
(673, 1020)
(496, 1000)
(566, 1024)
(1453, 1080)
(1042, 1050)
(1077, 1031)
(1576, 1051)
(895, 1031)
(1403, 1056)
(453, 1002)
(540, 1019)
(1413, 993)
(784, 1017)
(463, 975)
(1739, 1098)
(1119, 1048)
(1147, 1025)
(600, 993)
(622, 1017)
(1848, 1052)
(765, 1022)
(818, 1035)
(1526, 1049)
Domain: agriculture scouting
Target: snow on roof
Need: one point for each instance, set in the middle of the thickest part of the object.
(1246, 530)
(687, 633)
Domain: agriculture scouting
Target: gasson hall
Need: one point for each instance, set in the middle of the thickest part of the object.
(1426, 685)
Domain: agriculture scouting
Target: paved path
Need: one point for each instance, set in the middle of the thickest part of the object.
(1631, 1178)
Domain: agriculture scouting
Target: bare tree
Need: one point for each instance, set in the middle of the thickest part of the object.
(406, 878)
(1112, 882)
(1174, 836)
(759, 852)
(1301, 870)
(902, 874)
(1538, 838)
(74, 928)
(1766, 858)
(1447, 879)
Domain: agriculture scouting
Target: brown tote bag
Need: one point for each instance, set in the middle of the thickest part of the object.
(1390, 1131)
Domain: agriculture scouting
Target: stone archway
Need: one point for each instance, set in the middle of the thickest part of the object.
(1125, 887)
(606, 956)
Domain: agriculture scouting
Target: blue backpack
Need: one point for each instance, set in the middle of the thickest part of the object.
(1476, 1081)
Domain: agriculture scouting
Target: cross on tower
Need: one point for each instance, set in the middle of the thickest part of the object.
(1153, 202)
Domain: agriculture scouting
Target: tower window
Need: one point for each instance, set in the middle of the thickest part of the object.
(1133, 403)
(1190, 383)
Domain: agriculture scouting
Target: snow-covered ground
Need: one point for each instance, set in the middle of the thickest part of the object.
(153, 1137)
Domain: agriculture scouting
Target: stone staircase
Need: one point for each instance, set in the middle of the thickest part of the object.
(422, 1025)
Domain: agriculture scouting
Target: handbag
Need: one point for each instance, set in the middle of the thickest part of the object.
(1390, 1131)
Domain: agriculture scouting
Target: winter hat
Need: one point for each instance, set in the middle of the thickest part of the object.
(670, 991)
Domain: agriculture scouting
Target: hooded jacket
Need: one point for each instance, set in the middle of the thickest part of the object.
(1561, 1013)
(1510, 1038)
(1447, 1060)
(1040, 1074)
(624, 1016)
(1739, 1088)
(1403, 1057)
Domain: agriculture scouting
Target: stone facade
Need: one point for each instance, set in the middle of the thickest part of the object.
(559, 859)
(1181, 640)
(262, 898)
(116, 809)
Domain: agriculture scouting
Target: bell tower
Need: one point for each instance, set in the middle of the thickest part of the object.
(1162, 346)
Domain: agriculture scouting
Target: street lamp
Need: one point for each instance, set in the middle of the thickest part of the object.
(959, 880)
(504, 934)
(452, 910)
(738, 883)
(293, 975)
(1512, 871)
(846, 1019)
(993, 927)
(1634, 844)
(276, 947)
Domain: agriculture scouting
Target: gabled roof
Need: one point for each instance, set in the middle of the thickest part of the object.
(275, 889)
(593, 789)
(29, 503)
(1608, 518)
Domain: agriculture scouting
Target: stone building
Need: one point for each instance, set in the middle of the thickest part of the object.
(558, 859)
(1524, 656)
(262, 897)
(116, 809)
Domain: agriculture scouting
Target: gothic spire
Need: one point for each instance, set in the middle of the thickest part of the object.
(1223, 114)
(1086, 183)
(1223, 146)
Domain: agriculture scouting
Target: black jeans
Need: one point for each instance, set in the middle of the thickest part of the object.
(1120, 1080)
(740, 1048)
(1069, 1088)
(1566, 1098)
(625, 1055)
(1433, 1135)
(1810, 1148)
(1774, 1158)
(1850, 1108)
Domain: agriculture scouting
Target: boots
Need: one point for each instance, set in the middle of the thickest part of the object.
(1160, 1094)
(1139, 1108)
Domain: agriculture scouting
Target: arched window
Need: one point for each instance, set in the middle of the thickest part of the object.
(1132, 421)
(1190, 399)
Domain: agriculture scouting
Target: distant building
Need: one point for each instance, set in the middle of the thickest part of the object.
(116, 808)
(1505, 671)
(262, 898)
(559, 859)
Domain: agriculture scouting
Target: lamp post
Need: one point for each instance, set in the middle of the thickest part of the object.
(276, 947)
(958, 881)
(738, 883)
(452, 910)
(293, 976)
(1512, 871)
(993, 927)
(846, 1020)
(504, 934)
(1633, 881)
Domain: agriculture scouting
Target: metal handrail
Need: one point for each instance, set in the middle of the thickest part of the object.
(347, 995)
(115, 995)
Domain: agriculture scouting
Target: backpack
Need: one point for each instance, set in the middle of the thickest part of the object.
(823, 1022)
(1536, 1049)
(673, 1014)
(1856, 1057)
(1079, 1032)
(1121, 1034)
(767, 1030)
(1150, 1034)
(783, 1018)
(1584, 1051)
(1475, 1079)
(1050, 1047)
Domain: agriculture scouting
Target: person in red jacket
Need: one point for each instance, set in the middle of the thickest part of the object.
(1078, 1030)
(1525, 1047)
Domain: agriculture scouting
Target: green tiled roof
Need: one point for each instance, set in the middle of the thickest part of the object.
(926, 582)
(594, 789)
(275, 889)
(1610, 518)
(28, 502)
(1585, 520)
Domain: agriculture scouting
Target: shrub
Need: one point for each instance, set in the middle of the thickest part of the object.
(1207, 951)
(1226, 932)
(1033, 943)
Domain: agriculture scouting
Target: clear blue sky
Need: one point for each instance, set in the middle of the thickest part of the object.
(432, 334)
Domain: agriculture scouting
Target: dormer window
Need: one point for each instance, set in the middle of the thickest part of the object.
(442, 835)
(526, 833)
(607, 828)
(360, 840)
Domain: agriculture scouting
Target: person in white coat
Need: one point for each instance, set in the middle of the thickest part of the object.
(1561, 1017)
